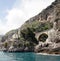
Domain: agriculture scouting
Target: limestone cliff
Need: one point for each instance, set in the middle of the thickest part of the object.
(45, 27)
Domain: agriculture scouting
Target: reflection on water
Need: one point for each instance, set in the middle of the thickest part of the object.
(26, 57)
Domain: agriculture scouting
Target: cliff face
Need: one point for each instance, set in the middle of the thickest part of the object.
(46, 24)
(47, 15)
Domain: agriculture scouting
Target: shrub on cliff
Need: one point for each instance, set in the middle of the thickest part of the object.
(5, 44)
(28, 35)
(37, 26)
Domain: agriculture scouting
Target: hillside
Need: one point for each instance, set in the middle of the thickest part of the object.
(39, 34)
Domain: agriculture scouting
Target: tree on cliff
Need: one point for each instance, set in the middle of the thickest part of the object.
(28, 35)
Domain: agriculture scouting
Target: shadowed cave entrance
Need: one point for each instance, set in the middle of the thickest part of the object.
(43, 37)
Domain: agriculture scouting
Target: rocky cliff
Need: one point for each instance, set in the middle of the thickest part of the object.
(40, 33)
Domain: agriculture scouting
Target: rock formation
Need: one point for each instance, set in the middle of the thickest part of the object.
(52, 43)
(45, 23)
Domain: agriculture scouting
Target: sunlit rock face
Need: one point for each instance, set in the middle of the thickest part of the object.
(54, 34)
(53, 41)
(49, 15)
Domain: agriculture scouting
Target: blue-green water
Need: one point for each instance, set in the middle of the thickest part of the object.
(27, 57)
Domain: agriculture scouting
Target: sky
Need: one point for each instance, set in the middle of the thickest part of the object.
(13, 13)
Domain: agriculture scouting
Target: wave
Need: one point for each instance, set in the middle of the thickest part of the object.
(48, 54)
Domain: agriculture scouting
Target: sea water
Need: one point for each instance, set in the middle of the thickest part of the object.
(27, 56)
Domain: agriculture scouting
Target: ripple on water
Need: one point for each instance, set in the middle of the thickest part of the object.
(27, 57)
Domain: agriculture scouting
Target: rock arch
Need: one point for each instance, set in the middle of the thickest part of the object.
(42, 37)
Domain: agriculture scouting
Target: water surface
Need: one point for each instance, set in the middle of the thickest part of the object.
(27, 57)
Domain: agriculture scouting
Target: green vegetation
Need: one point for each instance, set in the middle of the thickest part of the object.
(5, 44)
(37, 26)
(43, 37)
(28, 35)
(20, 45)
(27, 43)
